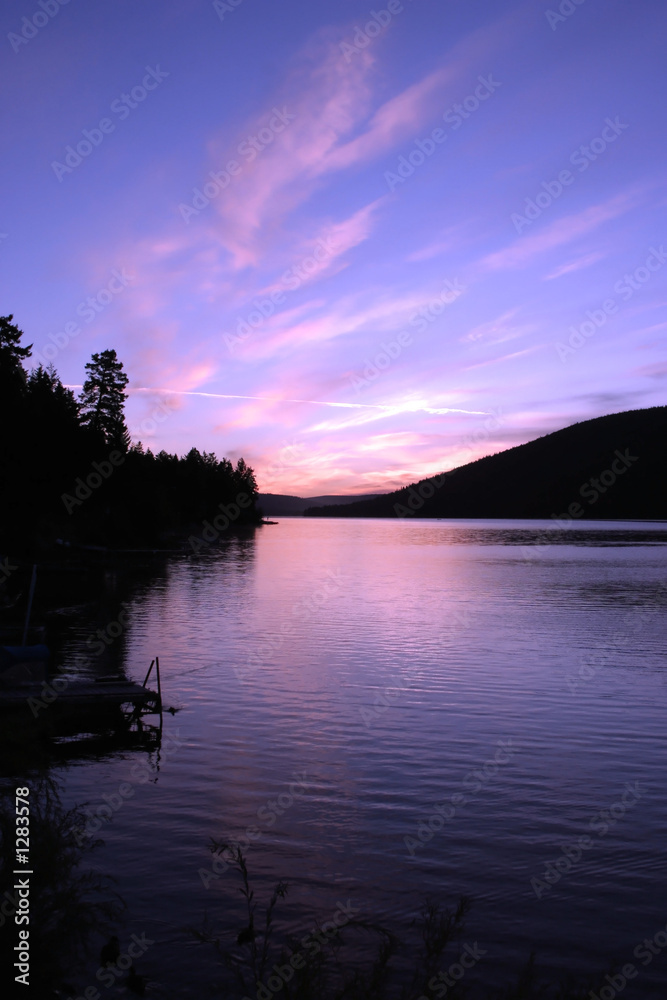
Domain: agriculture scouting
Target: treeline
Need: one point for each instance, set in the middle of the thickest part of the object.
(69, 471)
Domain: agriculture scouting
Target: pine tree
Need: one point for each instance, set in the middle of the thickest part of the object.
(13, 443)
(49, 399)
(246, 477)
(103, 398)
(52, 419)
(12, 373)
(56, 449)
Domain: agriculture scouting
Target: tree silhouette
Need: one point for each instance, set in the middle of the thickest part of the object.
(58, 482)
(13, 405)
(103, 400)
(245, 477)
(50, 400)
(12, 373)
(57, 444)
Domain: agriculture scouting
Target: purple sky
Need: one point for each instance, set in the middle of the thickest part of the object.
(365, 220)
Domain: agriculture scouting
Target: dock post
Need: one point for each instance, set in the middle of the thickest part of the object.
(148, 674)
(159, 685)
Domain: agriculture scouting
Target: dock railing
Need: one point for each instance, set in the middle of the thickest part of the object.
(155, 663)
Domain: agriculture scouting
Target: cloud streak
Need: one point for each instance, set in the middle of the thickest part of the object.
(388, 408)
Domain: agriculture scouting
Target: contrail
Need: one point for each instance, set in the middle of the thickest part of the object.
(404, 407)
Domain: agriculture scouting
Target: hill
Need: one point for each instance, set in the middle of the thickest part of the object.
(609, 467)
(282, 504)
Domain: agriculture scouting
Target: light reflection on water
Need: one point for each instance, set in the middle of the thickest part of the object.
(386, 659)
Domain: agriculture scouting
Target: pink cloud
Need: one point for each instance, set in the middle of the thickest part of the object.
(562, 231)
(504, 357)
(341, 318)
(330, 99)
(396, 120)
(452, 238)
(320, 253)
(575, 265)
(657, 370)
(499, 330)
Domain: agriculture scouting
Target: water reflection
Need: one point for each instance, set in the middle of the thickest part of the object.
(37, 749)
(382, 663)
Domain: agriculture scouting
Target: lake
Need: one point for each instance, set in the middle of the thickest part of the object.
(384, 711)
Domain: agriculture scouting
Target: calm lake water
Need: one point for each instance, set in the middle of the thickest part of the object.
(516, 681)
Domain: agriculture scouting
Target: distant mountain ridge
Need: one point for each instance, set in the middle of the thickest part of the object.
(608, 467)
(276, 504)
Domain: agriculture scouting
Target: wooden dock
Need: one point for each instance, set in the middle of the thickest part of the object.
(100, 694)
(109, 696)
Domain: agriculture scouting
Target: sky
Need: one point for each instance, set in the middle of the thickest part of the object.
(356, 245)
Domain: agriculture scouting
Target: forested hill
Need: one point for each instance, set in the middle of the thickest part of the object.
(283, 505)
(609, 467)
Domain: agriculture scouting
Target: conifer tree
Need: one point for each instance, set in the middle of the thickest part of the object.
(103, 398)
(12, 373)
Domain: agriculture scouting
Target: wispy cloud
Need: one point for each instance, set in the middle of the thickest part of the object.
(657, 370)
(499, 330)
(562, 231)
(502, 358)
(575, 265)
(451, 239)
(330, 99)
(387, 409)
